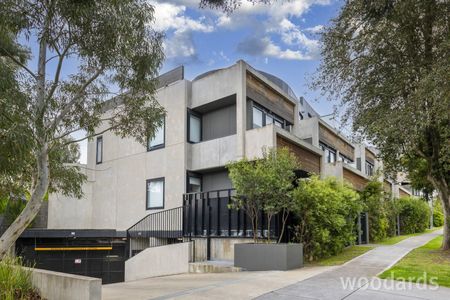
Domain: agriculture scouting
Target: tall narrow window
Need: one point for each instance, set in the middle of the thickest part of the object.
(99, 150)
(195, 128)
(257, 118)
(158, 140)
(369, 168)
(194, 183)
(155, 193)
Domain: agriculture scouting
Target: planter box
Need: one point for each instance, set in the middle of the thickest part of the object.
(266, 257)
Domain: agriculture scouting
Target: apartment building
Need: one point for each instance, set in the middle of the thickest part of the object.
(220, 116)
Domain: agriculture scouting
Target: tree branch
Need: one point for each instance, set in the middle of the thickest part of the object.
(17, 62)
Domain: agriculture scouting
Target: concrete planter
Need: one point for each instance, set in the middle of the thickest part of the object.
(266, 257)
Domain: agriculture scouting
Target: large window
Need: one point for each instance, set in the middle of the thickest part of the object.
(194, 128)
(99, 150)
(158, 140)
(369, 168)
(155, 193)
(330, 153)
(262, 117)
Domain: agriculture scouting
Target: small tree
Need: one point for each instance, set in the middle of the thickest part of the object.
(87, 52)
(264, 185)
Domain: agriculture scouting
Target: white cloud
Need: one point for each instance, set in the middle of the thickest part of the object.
(265, 47)
(172, 19)
(316, 29)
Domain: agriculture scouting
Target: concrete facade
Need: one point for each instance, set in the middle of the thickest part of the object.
(115, 193)
(159, 261)
(56, 286)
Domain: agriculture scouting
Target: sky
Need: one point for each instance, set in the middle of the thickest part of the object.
(281, 38)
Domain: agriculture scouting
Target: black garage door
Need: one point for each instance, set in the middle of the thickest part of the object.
(95, 257)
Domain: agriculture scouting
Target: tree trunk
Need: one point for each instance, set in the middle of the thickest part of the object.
(30, 211)
(444, 194)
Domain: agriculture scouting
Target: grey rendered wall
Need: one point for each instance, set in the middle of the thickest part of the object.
(56, 286)
(216, 181)
(219, 123)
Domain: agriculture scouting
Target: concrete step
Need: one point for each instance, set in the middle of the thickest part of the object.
(213, 266)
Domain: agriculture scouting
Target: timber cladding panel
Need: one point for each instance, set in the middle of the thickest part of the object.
(370, 156)
(333, 140)
(309, 161)
(264, 95)
(358, 182)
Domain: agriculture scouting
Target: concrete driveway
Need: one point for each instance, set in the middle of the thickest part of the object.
(306, 283)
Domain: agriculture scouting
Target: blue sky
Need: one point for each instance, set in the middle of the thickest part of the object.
(281, 39)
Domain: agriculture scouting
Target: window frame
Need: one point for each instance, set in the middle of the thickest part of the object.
(327, 151)
(160, 146)
(147, 183)
(196, 115)
(372, 169)
(97, 141)
(196, 175)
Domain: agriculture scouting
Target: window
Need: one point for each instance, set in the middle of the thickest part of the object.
(330, 153)
(369, 168)
(278, 123)
(194, 128)
(158, 140)
(194, 183)
(155, 193)
(257, 118)
(99, 151)
(345, 159)
(269, 119)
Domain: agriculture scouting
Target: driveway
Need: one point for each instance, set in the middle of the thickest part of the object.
(306, 283)
(356, 279)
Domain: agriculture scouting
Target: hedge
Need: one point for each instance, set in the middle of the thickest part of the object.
(414, 215)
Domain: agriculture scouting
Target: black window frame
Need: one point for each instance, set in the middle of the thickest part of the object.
(324, 148)
(147, 182)
(199, 116)
(265, 112)
(372, 168)
(99, 140)
(160, 146)
(196, 175)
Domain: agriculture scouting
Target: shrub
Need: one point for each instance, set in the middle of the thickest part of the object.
(414, 215)
(325, 213)
(381, 209)
(15, 281)
(438, 213)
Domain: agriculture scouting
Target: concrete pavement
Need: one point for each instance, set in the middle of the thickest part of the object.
(356, 279)
(306, 283)
(236, 285)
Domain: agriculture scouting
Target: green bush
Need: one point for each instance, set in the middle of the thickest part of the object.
(438, 213)
(414, 215)
(381, 209)
(325, 213)
(15, 281)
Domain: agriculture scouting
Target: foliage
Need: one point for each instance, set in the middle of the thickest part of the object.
(264, 184)
(438, 215)
(381, 209)
(388, 62)
(325, 212)
(414, 215)
(15, 280)
(424, 260)
(88, 52)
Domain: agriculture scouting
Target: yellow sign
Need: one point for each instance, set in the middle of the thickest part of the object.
(72, 248)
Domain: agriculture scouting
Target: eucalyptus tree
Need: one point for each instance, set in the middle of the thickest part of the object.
(69, 57)
(389, 63)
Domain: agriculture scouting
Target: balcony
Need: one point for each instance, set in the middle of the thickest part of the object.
(212, 154)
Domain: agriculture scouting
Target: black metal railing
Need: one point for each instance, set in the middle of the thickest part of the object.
(211, 214)
(156, 229)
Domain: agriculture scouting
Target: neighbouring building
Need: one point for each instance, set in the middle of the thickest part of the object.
(134, 193)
